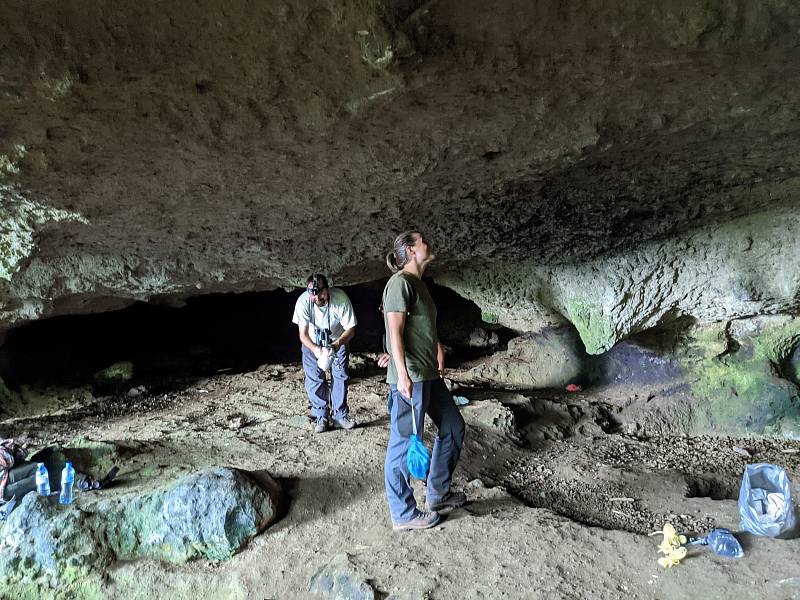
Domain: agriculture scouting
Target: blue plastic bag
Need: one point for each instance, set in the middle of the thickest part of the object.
(418, 459)
(765, 501)
(722, 542)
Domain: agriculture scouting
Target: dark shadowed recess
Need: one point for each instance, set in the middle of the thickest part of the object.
(207, 334)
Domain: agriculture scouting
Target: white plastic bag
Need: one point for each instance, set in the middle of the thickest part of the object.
(765, 501)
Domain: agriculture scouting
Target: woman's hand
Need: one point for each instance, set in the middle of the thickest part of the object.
(404, 386)
(383, 360)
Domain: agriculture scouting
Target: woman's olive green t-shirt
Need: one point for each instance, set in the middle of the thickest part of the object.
(406, 293)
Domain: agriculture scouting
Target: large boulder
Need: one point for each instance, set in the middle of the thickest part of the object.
(211, 513)
(551, 358)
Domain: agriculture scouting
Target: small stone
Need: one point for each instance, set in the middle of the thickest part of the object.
(742, 452)
(236, 422)
(339, 578)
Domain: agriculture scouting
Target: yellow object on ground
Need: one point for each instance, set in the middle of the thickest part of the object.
(671, 546)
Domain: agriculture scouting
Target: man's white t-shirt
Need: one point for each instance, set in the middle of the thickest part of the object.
(338, 309)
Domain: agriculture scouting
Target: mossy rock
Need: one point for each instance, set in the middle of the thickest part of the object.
(595, 328)
(57, 549)
(114, 377)
(117, 374)
(735, 373)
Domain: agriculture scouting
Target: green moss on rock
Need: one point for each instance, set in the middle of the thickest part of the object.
(209, 514)
(738, 384)
(120, 372)
(596, 329)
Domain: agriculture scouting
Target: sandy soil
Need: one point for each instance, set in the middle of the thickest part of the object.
(560, 501)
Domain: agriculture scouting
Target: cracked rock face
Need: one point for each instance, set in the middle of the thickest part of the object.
(617, 166)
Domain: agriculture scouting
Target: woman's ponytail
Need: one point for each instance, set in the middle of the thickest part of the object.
(398, 257)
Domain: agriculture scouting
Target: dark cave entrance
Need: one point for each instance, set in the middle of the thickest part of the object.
(213, 333)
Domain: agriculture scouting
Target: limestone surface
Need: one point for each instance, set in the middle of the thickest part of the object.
(712, 274)
(548, 359)
(607, 165)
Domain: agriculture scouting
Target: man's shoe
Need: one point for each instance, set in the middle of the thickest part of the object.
(450, 500)
(321, 425)
(345, 423)
(421, 520)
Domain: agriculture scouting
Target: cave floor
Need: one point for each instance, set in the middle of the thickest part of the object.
(561, 501)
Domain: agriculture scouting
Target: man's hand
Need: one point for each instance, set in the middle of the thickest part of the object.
(317, 351)
(404, 386)
(383, 360)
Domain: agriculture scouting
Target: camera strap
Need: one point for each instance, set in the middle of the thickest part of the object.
(311, 307)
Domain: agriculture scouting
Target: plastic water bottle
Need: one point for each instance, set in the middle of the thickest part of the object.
(42, 480)
(722, 542)
(67, 481)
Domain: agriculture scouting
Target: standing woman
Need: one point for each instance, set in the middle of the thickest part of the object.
(414, 378)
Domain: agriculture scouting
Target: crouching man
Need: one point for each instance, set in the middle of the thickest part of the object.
(326, 323)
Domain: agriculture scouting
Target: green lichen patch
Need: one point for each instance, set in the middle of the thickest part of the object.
(489, 317)
(595, 328)
(739, 386)
(118, 373)
(703, 342)
(777, 340)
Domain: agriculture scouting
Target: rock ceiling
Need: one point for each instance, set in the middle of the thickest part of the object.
(609, 164)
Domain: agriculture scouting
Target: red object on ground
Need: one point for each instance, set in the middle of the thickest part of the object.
(573, 387)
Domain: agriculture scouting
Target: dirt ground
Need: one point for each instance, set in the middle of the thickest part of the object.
(561, 500)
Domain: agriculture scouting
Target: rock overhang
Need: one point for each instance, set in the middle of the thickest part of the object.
(579, 165)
